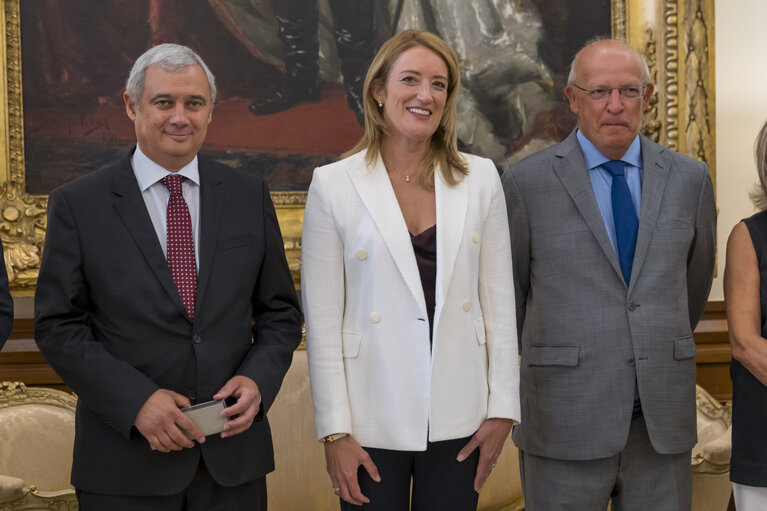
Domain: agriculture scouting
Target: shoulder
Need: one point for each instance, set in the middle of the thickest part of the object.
(679, 162)
(742, 242)
(95, 181)
(482, 172)
(755, 223)
(543, 159)
(479, 165)
(339, 168)
(220, 171)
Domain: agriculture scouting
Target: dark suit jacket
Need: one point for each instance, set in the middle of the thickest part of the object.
(586, 337)
(111, 323)
(6, 303)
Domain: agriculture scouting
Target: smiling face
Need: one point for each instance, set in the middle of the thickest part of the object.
(172, 117)
(611, 123)
(414, 96)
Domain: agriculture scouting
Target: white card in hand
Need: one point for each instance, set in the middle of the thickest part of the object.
(207, 417)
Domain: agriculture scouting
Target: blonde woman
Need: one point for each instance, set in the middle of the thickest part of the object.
(409, 299)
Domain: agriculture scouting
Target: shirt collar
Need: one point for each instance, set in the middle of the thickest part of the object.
(148, 172)
(595, 159)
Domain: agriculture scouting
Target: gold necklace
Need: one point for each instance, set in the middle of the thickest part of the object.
(390, 164)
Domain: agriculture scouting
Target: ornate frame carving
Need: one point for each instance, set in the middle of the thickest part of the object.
(676, 36)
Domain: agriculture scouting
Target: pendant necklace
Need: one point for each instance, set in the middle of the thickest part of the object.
(392, 166)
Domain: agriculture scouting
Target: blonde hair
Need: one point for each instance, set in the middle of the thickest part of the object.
(443, 146)
(758, 194)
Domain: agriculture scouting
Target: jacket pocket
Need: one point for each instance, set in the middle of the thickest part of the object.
(479, 330)
(552, 356)
(351, 344)
(684, 348)
(239, 241)
(669, 224)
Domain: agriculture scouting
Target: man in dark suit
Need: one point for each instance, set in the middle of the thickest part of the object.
(612, 241)
(163, 284)
(6, 303)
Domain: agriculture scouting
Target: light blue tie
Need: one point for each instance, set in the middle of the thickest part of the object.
(626, 222)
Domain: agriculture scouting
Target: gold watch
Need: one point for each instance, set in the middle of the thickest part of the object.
(332, 438)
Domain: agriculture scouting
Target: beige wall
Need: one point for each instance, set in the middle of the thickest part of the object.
(741, 107)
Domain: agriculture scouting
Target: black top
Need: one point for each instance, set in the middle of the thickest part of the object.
(749, 396)
(425, 249)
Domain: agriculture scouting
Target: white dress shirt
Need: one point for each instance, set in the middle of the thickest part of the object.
(149, 176)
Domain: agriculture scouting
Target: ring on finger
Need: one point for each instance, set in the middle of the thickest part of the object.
(335, 490)
(492, 467)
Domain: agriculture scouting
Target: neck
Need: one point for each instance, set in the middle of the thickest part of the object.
(169, 163)
(407, 157)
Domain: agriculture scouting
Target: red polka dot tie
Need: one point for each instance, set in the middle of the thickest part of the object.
(181, 244)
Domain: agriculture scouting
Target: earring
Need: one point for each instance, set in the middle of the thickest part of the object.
(380, 105)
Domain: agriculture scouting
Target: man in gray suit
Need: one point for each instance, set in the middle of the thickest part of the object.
(613, 246)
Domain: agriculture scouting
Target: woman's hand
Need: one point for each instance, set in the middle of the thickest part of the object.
(490, 438)
(343, 458)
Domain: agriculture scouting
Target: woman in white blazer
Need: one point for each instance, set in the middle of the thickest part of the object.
(408, 295)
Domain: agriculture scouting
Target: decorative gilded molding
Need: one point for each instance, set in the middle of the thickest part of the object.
(671, 82)
(288, 198)
(618, 10)
(677, 39)
(22, 216)
(652, 124)
(699, 73)
(16, 394)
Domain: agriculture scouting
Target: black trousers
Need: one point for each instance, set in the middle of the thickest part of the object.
(439, 481)
(202, 494)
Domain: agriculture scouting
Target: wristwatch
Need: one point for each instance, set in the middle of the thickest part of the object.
(332, 438)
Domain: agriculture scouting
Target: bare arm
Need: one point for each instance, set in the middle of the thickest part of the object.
(741, 293)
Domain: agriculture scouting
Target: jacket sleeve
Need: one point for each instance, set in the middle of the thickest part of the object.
(496, 295)
(519, 231)
(276, 313)
(112, 388)
(322, 288)
(702, 253)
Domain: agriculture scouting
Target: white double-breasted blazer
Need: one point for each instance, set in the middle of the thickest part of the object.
(373, 372)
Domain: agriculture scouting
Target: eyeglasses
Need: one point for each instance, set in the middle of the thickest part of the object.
(626, 92)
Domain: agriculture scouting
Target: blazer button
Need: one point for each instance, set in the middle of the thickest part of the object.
(362, 254)
(467, 305)
(630, 361)
(196, 339)
(375, 317)
(475, 237)
(632, 307)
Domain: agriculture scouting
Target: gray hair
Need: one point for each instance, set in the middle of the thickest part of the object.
(645, 69)
(170, 57)
(758, 194)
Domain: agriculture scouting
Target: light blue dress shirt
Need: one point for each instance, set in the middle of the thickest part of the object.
(602, 181)
(149, 176)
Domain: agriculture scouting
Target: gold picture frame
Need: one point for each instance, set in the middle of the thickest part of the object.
(676, 37)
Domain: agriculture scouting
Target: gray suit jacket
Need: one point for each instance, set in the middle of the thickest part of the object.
(585, 337)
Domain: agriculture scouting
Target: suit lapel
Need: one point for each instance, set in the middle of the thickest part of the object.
(132, 209)
(656, 172)
(210, 216)
(570, 167)
(452, 202)
(375, 191)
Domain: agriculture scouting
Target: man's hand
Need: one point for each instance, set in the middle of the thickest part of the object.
(248, 402)
(343, 458)
(161, 422)
(490, 437)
